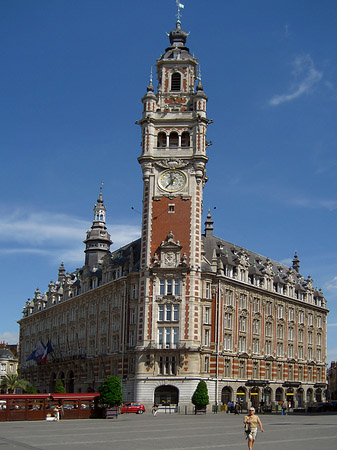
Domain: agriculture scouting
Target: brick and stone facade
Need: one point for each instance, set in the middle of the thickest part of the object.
(179, 304)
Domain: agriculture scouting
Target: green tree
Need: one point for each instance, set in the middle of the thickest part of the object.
(111, 392)
(12, 382)
(30, 389)
(59, 387)
(200, 397)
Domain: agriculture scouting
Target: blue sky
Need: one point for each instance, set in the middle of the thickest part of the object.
(73, 73)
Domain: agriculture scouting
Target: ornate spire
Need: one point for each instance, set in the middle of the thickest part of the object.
(296, 263)
(209, 225)
(98, 239)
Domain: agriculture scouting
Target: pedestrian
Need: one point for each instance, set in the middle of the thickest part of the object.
(284, 409)
(251, 422)
(154, 408)
(57, 411)
(236, 408)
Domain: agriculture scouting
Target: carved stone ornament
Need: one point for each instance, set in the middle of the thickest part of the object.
(170, 163)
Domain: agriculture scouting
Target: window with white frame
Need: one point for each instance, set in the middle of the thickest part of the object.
(132, 316)
(256, 326)
(227, 368)
(319, 322)
(228, 320)
(309, 373)
(279, 371)
(269, 308)
(291, 314)
(319, 354)
(310, 320)
(269, 329)
(300, 316)
(300, 335)
(290, 372)
(310, 353)
(167, 365)
(206, 366)
(227, 342)
(207, 314)
(243, 301)
(242, 369)
(319, 339)
(168, 313)
(268, 347)
(290, 333)
(279, 349)
(169, 287)
(207, 337)
(134, 291)
(242, 344)
(300, 352)
(268, 371)
(256, 304)
(208, 289)
(290, 351)
(168, 337)
(242, 323)
(310, 337)
(255, 346)
(229, 297)
(280, 311)
(255, 370)
(280, 331)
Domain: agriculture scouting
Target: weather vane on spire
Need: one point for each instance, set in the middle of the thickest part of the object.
(179, 6)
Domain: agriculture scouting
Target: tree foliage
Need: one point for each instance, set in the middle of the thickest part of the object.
(59, 387)
(200, 397)
(30, 389)
(11, 383)
(111, 392)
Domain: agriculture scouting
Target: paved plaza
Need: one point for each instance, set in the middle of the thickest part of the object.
(176, 432)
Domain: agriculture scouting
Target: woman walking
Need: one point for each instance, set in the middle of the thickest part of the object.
(251, 422)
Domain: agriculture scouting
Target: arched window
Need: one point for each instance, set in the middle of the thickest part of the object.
(161, 139)
(174, 139)
(185, 139)
(175, 81)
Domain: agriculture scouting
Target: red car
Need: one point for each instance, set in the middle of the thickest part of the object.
(132, 407)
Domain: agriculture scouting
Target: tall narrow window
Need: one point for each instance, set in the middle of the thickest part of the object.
(175, 81)
(161, 139)
(185, 139)
(174, 139)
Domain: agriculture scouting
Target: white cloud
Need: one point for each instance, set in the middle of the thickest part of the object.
(305, 77)
(9, 337)
(56, 236)
(332, 324)
(332, 285)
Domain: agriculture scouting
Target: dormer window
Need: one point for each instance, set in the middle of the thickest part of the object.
(175, 81)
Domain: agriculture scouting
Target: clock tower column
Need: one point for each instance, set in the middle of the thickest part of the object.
(173, 162)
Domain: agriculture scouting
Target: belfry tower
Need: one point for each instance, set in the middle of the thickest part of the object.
(173, 162)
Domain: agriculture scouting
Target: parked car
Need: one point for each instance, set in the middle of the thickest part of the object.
(132, 407)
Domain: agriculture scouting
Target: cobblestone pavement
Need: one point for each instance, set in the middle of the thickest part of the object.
(171, 432)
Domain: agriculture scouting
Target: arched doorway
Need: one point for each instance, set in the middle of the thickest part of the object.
(310, 397)
(279, 395)
(255, 397)
(318, 395)
(226, 395)
(300, 397)
(166, 395)
(266, 398)
(290, 397)
(70, 382)
(241, 397)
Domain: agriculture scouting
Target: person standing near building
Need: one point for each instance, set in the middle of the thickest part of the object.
(252, 421)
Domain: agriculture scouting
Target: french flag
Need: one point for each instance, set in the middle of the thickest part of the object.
(48, 349)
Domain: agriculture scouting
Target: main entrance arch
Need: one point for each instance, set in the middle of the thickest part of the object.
(226, 395)
(166, 395)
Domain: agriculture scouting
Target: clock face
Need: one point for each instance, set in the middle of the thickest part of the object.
(172, 180)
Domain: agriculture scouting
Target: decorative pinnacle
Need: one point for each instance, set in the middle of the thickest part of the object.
(179, 6)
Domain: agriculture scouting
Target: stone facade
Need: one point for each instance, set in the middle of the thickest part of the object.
(179, 304)
(8, 360)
